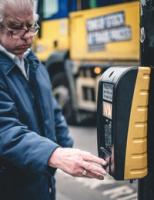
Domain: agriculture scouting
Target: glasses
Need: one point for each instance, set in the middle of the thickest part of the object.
(19, 32)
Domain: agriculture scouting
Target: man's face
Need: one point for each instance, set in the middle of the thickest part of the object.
(16, 20)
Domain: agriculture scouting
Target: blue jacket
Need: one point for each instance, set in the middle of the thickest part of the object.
(31, 128)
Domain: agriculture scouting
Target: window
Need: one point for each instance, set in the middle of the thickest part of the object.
(50, 8)
(88, 4)
(93, 4)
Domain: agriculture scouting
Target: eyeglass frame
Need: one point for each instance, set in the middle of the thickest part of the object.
(33, 29)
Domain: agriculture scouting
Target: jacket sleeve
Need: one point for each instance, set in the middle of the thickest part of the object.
(61, 127)
(19, 146)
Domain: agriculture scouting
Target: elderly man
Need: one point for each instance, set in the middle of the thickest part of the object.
(34, 138)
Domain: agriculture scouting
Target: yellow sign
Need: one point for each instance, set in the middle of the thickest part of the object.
(107, 33)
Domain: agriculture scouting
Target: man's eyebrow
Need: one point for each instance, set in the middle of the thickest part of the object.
(15, 23)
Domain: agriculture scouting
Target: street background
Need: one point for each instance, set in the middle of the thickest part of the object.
(71, 188)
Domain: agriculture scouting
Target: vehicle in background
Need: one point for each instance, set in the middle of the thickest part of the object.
(78, 40)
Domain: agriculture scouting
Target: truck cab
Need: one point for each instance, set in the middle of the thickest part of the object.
(78, 40)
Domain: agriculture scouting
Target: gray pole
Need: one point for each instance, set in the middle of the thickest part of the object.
(146, 185)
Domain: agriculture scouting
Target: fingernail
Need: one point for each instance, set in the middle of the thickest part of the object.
(104, 162)
(104, 173)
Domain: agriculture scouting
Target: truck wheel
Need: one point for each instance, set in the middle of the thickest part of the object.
(62, 93)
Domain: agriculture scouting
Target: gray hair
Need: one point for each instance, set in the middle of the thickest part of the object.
(18, 5)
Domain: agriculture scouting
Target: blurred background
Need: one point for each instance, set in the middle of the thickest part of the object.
(78, 40)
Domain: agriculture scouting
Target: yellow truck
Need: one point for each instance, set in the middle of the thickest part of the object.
(78, 40)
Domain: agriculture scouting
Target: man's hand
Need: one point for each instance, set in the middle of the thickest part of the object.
(78, 163)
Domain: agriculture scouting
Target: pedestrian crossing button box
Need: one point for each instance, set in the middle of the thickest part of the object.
(122, 121)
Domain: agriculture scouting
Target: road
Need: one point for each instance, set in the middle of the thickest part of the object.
(71, 188)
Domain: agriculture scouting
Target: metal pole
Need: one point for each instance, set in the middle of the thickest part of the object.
(146, 185)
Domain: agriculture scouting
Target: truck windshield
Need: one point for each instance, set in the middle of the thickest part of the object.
(55, 9)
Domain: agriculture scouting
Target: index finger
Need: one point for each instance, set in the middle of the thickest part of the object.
(92, 158)
(93, 168)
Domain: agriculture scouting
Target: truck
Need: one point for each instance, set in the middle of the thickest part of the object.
(80, 39)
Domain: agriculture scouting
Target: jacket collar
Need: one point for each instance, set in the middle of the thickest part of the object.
(7, 64)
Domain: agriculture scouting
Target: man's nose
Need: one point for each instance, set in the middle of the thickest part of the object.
(27, 36)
